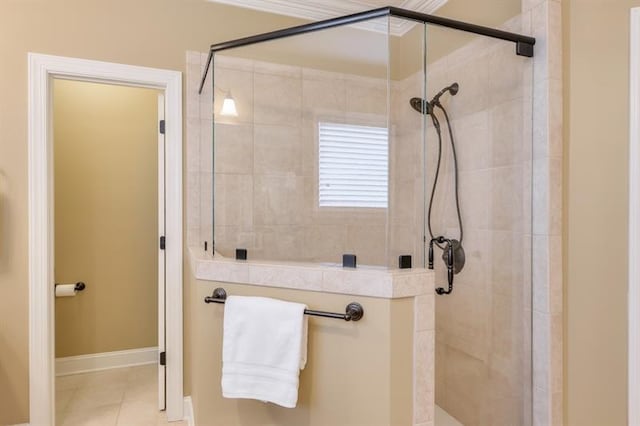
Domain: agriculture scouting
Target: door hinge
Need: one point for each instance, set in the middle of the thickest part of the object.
(162, 127)
(163, 358)
(162, 243)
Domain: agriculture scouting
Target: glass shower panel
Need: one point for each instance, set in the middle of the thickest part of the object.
(483, 328)
(302, 172)
(406, 141)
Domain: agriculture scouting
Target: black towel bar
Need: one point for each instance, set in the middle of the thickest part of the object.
(353, 312)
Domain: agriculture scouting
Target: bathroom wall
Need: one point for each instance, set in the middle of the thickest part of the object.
(154, 33)
(266, 180)
(483, 329)
(357, 373)
(106, 210)
(595, 77)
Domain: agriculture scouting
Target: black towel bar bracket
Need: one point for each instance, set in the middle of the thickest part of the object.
(353, 312)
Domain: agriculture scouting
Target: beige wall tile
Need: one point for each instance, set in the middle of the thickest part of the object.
(476, 190)
(277, 150)
(507, 140)
(440, 369)
(473, 77)
(206, 145)
(277, 99)
(234, 148)
(193, 144)
(234, 199)
(506, 82)
(296, 278)
(506, 199)
(546, 23)
(547, 274)
(324, 95)
(368, 243)
(547, 196)
(466, 318)
(424, 393)
(281, 242)
(472, 135)
(506, 262)
(325, 243)
(366, 95)
(466, 380)
(425, 312)
(278, 200)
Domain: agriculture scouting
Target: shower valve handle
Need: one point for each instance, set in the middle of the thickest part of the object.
(450, 262)
(431, 254)
(439, 240)
(450, 266)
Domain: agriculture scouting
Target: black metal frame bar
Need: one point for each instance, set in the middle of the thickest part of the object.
(353, 312)
(524, 44)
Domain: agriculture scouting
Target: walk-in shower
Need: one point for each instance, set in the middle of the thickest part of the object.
(388, 139)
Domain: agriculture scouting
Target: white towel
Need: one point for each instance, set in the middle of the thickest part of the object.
(263, 350)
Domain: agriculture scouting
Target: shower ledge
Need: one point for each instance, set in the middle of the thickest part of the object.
(362, 281)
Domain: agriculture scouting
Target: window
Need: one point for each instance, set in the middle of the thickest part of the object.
(353, 163)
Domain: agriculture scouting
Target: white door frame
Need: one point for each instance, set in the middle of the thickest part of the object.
(42, 69)
(634, 221)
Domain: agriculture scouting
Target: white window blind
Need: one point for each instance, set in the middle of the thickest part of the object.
(353, 165)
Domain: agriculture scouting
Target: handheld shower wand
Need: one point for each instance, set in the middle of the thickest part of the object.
(452, 89)
(452, 252)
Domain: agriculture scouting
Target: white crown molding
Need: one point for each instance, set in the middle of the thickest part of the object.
(317, 11)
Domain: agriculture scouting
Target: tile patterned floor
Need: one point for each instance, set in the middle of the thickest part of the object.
(118, 397)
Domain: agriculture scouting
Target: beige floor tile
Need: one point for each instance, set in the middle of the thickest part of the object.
(100, 416)
(108, 378)
(141, 392)
(87, 398)
(63, 397)
(68, 382)
(138, 413)
(122, 397)
(143, 372)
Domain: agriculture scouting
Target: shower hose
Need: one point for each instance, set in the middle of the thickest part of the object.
(440, 241)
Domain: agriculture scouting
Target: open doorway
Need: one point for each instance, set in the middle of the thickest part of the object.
(43, 71)
(109, 268)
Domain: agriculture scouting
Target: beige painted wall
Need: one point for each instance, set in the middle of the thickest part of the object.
(596, 43)
(153, 33)
(357, 373)
(106, 216)
(157, 32)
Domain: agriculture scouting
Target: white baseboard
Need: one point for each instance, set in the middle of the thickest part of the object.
(188, 411)
(105, 361)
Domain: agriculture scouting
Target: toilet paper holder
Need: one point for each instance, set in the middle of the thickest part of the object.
(78, 287)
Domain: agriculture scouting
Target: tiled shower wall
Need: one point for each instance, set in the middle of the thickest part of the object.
(266, 174)
(483, 329)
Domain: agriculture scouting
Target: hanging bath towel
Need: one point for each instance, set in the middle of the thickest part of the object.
(263, 350)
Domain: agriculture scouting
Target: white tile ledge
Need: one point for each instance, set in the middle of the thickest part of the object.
(363, 281)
